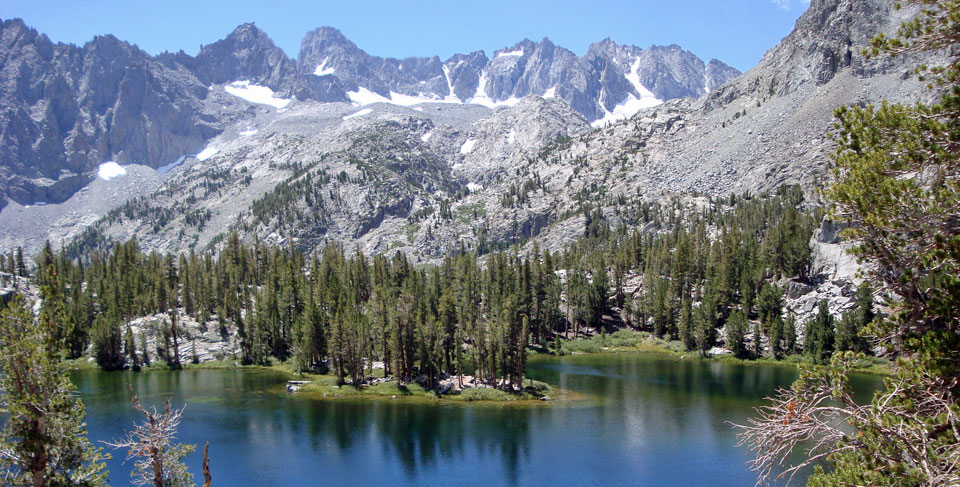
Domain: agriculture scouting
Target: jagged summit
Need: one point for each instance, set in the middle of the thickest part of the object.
(68, 109)
(247, 53)
(422, 154)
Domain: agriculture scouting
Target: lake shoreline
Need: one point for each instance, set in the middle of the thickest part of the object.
(324, 387)
(641, 342)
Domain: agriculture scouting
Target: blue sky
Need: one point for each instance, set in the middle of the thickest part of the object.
(735, 31)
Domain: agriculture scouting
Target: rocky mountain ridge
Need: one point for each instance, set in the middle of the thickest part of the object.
(66, 109)
(426, 178)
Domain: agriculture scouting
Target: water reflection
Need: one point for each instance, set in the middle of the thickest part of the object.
(657, 421)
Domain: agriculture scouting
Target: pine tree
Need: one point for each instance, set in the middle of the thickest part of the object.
(44, 439)
(685, 325)
(776, 337)
(770, 304)
(818, 340)
(130, 349)
(21, 265)
(705, 323)
(790, 335)
(735, 331)
(108, 343)
(757, 340)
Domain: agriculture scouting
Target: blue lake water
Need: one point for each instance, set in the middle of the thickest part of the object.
(650, 420)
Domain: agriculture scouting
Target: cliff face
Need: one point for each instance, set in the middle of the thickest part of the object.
(66, 109)
(431, 154)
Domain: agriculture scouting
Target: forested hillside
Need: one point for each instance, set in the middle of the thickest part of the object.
(704, 272)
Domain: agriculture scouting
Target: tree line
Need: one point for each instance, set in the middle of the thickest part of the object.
(705, 267)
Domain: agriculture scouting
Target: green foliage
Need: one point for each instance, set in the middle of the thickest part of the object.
(790, 334)
(819, 335)
(330, 311)
(897, 183)
(705, 324)
(735, 336)
(777, 332)
(771, 304)
(44, 439)
(108, 343)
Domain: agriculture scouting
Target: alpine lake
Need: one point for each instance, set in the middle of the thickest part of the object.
(627, 419)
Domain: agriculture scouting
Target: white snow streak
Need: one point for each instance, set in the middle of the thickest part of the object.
(467, 146)
(551, 92)
(255, 93)
(632, 104)
(248, 133)
(449, 77)
(481, 97)
(358, 114)
(512, 136)
(364, 96)
(474, 187)
(425, 137)
(323, 70)
(518, 52)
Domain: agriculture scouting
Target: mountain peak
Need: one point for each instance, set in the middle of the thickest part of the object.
(325, 36)
(246, 33)
(246, 53)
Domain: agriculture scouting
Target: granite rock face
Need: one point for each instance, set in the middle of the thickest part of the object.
(594, 84)
(247, 53)
(508, 149)
(65, 109)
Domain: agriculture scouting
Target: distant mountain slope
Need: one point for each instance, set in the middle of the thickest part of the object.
(66, 109)
(390, 172)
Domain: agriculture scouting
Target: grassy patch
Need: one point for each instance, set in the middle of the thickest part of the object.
(622, 340)
(643, 342)
(470, 213)
(325, 386)
(411, 230)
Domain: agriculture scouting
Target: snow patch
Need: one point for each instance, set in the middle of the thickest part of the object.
(410, 100)
(425, 137)
(467, 146)
(474, 187)
(109, 170)
(255, 94)
(449, 77)
(632, 104)
(364, 97)
(248, 132)
(419, 109)
(322, 69)
(207, 153)
(169, 167)
(481, 97)
(518, 52)
(512, 136)
(358, 114)
(550, 93)
(634, 79)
